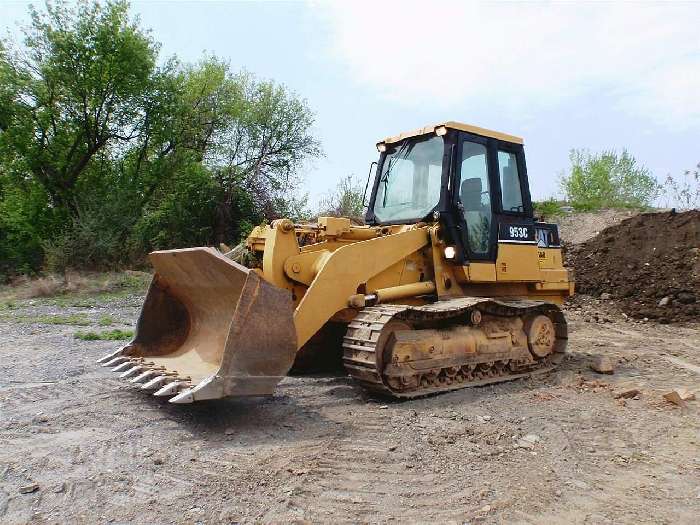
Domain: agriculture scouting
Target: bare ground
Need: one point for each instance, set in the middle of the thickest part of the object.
(322, 451)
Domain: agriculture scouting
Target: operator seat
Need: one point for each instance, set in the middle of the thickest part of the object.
(477, 215)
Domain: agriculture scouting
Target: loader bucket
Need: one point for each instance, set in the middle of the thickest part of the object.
(209, 328)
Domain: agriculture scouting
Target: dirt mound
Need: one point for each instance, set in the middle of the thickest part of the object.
(575, 228)
(649, 263)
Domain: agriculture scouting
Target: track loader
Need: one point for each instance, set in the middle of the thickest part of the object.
(450, 283)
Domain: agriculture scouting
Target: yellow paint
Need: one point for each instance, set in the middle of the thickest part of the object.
(517, 262)
(481, 272)
(550, 258)
(476, 130)
(344, 270)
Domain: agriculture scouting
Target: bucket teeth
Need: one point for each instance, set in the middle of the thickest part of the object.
(156, 382)
(111, 355)
(123, 366)
(131, 371)
(170, 389)
(183, 397)
(145, 375)
(115, 361)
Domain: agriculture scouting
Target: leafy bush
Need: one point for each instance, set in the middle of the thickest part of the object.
(608, 180)
(24, 220)
(548, 208)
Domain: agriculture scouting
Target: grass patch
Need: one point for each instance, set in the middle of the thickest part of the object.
(7, 305)
(108, 335)
(106, 320)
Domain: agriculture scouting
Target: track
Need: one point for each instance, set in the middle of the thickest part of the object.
(366, 335)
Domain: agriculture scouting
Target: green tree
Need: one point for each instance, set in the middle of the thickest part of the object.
(608, 180)
(78, 86)
(104, 155)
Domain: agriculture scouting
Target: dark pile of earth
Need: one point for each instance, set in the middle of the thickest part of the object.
(649, 264)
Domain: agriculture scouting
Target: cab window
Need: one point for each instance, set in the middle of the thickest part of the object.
(410, 180)
(511, 194)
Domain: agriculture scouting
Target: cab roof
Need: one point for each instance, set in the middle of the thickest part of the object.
(453, 125)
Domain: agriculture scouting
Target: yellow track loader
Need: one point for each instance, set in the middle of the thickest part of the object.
(450, 283)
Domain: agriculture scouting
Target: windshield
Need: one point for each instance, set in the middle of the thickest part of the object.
(409, 183)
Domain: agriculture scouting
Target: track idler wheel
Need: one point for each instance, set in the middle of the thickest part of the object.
(541, 335)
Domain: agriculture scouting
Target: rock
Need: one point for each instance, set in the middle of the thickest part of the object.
(627, 394)
(685, 298)
(28, 489)
(674, 397)
(485, 508)
(528, 441)
(665, 301)
(606, 296)
(58, 489)
(384, 407)
(685, 394)
(603, 365)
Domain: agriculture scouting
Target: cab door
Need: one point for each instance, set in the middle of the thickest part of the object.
(473, 198)
(517, 256)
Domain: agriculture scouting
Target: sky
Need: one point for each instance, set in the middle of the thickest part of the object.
(561, 75)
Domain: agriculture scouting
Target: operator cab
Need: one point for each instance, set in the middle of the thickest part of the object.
(472, 180)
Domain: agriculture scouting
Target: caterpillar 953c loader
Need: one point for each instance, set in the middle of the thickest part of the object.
(451, 283)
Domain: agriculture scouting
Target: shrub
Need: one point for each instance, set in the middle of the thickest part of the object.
(547, 208)
(608, 180)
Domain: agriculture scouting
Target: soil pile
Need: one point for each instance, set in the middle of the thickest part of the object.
(649, 263)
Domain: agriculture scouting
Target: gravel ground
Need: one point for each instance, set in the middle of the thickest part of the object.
(556, 449)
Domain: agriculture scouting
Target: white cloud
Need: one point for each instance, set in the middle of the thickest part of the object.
(527, 56)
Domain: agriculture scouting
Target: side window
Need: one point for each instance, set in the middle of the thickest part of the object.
(510, 182)
(474, 192)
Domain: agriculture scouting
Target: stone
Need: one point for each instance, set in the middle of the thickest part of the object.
(674, 397)
(685, 394)
(528, 441)
(603, 365)
(685, 298)
(605, 296)
(627, 394)
(28, 489)
(665, 301)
